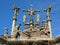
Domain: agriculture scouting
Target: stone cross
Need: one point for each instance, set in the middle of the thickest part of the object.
(31, 12)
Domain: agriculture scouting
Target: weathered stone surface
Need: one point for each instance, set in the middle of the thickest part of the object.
(33, 34)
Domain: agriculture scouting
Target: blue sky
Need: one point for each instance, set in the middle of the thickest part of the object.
(6, 13)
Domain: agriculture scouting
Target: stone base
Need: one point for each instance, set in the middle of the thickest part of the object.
(28, 43)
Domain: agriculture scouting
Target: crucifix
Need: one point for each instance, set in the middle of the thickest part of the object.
(31, 12)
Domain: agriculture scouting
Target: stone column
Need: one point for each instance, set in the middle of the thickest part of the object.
(16, 9)
(48, 19)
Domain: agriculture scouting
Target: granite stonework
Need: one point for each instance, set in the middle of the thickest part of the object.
(34, 33)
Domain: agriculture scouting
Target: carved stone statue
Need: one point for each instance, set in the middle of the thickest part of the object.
(16, 31)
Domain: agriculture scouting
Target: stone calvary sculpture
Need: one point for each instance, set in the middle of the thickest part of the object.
(34, 33)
